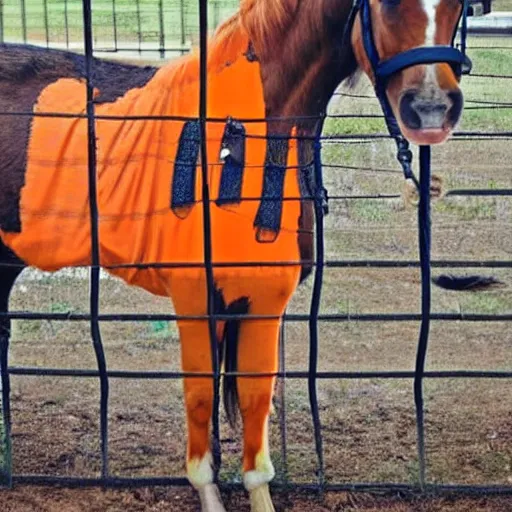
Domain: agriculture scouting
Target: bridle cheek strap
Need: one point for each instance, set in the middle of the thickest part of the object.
(384, 70)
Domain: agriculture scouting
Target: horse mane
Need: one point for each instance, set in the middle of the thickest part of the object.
(267, 20)
(230, 39)
(262, 22)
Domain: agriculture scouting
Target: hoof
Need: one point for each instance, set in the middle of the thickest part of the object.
(210, 499)
(260, 499)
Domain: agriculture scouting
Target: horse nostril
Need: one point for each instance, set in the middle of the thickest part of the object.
(426, 110)
(410, 117)
(455, 111)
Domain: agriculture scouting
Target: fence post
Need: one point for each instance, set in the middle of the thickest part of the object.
(161, 28)
(95, 243)
(23, 20)
(281, 398)
(66, 23)
(139, 24)
(46, 22)
(114, 23)
(207, 231)
(215, 14)
(1, 21)
(424, 235)
(183, 28)
(319, 206)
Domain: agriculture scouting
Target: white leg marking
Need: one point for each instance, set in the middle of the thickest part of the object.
(264, 471)
(256, 481)
(200, 475)
(199, 471)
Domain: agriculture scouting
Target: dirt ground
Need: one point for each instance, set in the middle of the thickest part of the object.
(181, 500)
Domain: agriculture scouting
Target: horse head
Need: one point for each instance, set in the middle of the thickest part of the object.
(425, 98)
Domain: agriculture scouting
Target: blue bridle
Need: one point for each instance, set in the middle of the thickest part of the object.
(383, 70)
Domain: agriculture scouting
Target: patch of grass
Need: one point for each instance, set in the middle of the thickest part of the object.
(468, 208)
(344, 306)
(350, 126)
(485, 303)
(488, 119)
(337, 153)
(368, 210)
(61, 307)
(24, 328)
(231, 469)
(493, 463)
(502, 5)
(491, 60)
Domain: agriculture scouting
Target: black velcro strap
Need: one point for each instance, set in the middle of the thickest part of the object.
(233, 154)
(185, 164)
(270, 210)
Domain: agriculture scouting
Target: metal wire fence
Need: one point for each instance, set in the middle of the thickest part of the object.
(142, 27)
(164, 37)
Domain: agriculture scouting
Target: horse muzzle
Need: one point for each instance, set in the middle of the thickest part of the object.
(428, 118)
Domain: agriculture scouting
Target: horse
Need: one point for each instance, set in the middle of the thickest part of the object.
(274, 63)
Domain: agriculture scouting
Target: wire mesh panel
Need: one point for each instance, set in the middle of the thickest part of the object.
(366, 289)
(152, 28)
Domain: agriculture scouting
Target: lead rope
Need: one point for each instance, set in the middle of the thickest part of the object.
(404, 156)
(424, 239)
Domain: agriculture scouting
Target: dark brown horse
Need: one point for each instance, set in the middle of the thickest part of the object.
(273, 59)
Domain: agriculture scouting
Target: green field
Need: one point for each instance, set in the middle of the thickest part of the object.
(172, 22)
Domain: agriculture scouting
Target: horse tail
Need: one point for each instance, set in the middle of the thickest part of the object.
(230, 358)
(467, 283)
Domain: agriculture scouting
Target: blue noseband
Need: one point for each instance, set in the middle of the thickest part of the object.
(427, 55)
(383, 70)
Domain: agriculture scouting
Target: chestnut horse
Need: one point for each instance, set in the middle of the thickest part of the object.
(274, 59)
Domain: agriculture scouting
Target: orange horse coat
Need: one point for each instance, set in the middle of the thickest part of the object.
(135, 162)
(134, 172)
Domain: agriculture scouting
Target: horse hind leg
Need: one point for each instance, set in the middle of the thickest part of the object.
(10, 268)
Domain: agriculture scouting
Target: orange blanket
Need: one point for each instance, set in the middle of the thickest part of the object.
(135, 162)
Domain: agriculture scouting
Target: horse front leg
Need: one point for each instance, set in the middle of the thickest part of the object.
(196, 357)
(257, 353)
